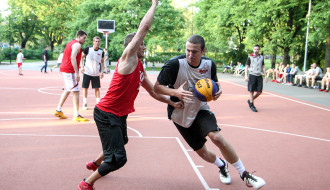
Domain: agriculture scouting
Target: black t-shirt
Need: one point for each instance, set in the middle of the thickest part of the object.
(45, 53)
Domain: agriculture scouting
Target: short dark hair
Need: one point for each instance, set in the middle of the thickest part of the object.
(128, 39)
(257, 46)
(197, 39)
(81, 33)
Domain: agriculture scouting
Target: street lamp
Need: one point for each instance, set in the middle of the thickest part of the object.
(10, 38)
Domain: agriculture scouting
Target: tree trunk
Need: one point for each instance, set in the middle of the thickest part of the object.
(286, 59)
(23, 44)
(274, 57)
(327, 54)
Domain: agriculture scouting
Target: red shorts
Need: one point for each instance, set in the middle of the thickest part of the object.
(19, 65)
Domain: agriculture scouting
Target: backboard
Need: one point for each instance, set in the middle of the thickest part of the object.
(105, 25)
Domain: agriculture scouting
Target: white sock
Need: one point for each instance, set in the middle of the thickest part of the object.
(59, 108)
(76, 113)
(218, 162)
(97, 100)
(239, 167)
(85, 101)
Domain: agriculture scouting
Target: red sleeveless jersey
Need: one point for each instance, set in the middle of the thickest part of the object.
(66, 65)
(120, 97)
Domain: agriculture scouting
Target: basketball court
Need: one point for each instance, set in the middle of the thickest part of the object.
(287, 142)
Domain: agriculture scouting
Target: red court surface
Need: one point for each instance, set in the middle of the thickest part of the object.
(287, 142)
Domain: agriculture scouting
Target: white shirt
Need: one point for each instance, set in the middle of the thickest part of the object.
(20, 57)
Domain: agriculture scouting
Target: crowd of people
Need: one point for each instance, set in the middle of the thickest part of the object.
(291, 75)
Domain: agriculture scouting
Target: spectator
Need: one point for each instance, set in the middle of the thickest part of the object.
(19, 61)
(302, 77)
(59, 61)
(273, 72)
(286, 72)
(44, 58)
(229, 67)
(317, 75)
(294, 71)
(239, 69)
(325, 80)
(280, 73)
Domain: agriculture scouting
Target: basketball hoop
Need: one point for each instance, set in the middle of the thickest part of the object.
(105, 33)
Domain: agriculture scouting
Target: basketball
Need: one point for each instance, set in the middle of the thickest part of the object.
(205, 89)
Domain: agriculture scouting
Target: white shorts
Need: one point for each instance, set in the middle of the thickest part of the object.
(70, 82)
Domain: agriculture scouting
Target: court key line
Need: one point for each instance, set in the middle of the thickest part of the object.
(192, 163)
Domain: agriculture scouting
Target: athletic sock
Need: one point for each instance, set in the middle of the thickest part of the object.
(59, 108)
(85, 101)
(97, 100)
(218, 162)
(239, 167)
(76, 113)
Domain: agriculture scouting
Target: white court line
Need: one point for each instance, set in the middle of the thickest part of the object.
(271, 131)
(195, 168)
(160, 118)
(281, 97)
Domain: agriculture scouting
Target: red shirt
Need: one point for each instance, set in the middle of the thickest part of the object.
(66, 65)
(120, 97)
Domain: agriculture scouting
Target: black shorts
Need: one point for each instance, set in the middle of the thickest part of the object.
(255, 83)
(113, 134)
(94, 79)
(204, 123)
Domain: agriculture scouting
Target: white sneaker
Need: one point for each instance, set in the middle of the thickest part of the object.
(85, 107)
(224, 174)
(252, 180)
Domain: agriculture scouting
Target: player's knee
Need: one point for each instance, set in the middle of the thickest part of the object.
(107, 167)
(216, 138)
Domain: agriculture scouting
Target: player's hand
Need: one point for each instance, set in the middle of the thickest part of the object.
(77, 77)
(266, 79)
(183, 94)
(101, 75)
(82, 70)
(217, 94)
(178, 105)
(246, 79)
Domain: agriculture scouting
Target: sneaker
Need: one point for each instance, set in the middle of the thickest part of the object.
(224, 174)
(91, 165)
(60, 115)
(252, 180)
(85, 107)
(299, 85)
(80, 118)
(320, 90)
(310, 87)
(252, 106)
(85, 186)
(326, 91)
(294, 85)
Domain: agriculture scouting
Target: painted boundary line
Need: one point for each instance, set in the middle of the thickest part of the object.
(195, 168)
(289, 99)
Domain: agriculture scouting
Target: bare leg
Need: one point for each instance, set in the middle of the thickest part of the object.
(99, 159)
(226, 149)
(76, 102)
(63, 98)
(92, 178)
(97, 92)
(85, 92)
(256, 95)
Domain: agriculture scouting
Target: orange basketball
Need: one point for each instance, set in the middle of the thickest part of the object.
(205, 89)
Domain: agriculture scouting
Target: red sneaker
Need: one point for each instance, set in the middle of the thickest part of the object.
(326, 91)
(320, 90)
(85, 186)
(91, 166)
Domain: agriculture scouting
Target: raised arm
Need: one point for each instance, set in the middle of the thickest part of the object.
(144, 27)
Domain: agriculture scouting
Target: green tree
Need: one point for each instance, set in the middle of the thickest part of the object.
(127, 15)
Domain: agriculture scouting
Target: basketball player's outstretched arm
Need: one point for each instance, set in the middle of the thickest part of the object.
(130, 52)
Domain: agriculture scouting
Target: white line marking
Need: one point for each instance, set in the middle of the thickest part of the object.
(136, 131)
(195, 168)
(27, 119)
(281, 97)
(283, 133)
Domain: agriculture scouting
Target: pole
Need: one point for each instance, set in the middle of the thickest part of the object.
(106, 40)
(9, 41)
(306, 46)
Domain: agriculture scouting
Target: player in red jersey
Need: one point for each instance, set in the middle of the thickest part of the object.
(111, 112)
(70, 73)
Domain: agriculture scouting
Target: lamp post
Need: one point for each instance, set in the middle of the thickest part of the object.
(10, 38)
(306, 46)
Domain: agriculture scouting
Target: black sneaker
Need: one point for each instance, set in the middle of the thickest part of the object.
(252, 180)
(299, 85)
(224, 174)
(294, 85)
(252, 106)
